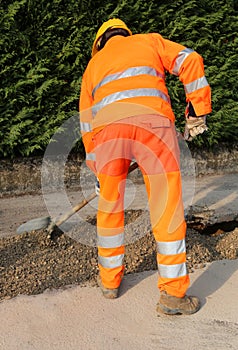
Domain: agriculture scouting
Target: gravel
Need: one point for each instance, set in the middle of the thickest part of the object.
(33, 262)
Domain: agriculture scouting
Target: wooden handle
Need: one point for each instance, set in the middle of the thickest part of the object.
(66, 216)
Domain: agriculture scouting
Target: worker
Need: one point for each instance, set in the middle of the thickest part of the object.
(125, 116)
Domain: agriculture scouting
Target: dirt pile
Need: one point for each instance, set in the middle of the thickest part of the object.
(33, 262)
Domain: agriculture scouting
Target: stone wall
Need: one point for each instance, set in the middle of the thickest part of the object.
(220, 160)
(23, 176)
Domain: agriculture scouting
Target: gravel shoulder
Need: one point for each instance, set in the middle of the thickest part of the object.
(32, 262)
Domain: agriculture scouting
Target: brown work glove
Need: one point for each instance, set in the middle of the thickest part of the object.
(194, 126)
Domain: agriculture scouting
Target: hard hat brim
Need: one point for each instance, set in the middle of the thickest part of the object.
(110, 24)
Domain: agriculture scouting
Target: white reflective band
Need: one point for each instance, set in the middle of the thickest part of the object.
(171, 248)
(86, 127)
(90, 156)
(121, 95)
(111, 241)
(182, 55)
(130, 72)
(112, 261)
(172, 271)
(195, 85)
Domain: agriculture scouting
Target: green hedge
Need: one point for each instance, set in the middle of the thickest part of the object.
(46, 45)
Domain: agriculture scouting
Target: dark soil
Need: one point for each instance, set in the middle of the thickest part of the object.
(33, 262)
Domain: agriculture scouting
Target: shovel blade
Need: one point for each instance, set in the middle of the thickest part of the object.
(34, 224)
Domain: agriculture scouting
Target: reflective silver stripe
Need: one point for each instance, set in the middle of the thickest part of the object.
(195, 85)
(90, 156)
(171, 248)
(172, 271)
(112, 261)
(130, 72)
(121, 95)
(111, 241)
(182, 55)
(86, 127)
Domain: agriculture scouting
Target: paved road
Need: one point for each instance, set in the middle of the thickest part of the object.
(218, 194)
(80, 318)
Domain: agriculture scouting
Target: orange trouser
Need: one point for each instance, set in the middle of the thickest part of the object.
(150, 140)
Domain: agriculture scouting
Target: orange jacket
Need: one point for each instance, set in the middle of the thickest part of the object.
(127, 77)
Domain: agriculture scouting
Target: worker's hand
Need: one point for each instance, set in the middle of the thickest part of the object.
(97, 187)
(194, 126)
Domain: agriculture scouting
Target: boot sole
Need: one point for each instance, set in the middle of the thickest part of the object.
(107, 293)
(169, 311)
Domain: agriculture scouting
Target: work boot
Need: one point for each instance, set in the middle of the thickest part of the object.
(171, 305)
(107, 293)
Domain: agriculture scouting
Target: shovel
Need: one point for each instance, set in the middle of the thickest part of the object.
(49, 224)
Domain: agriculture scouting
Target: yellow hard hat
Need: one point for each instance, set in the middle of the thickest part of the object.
(110, 24)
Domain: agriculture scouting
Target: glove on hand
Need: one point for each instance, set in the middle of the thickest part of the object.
(194, 126)
(97, 187)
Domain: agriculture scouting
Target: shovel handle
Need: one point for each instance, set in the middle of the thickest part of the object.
(79, 206)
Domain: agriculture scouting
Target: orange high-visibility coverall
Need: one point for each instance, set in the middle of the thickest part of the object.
(125, 114)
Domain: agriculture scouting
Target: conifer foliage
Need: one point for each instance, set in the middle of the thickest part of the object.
(45, 46)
